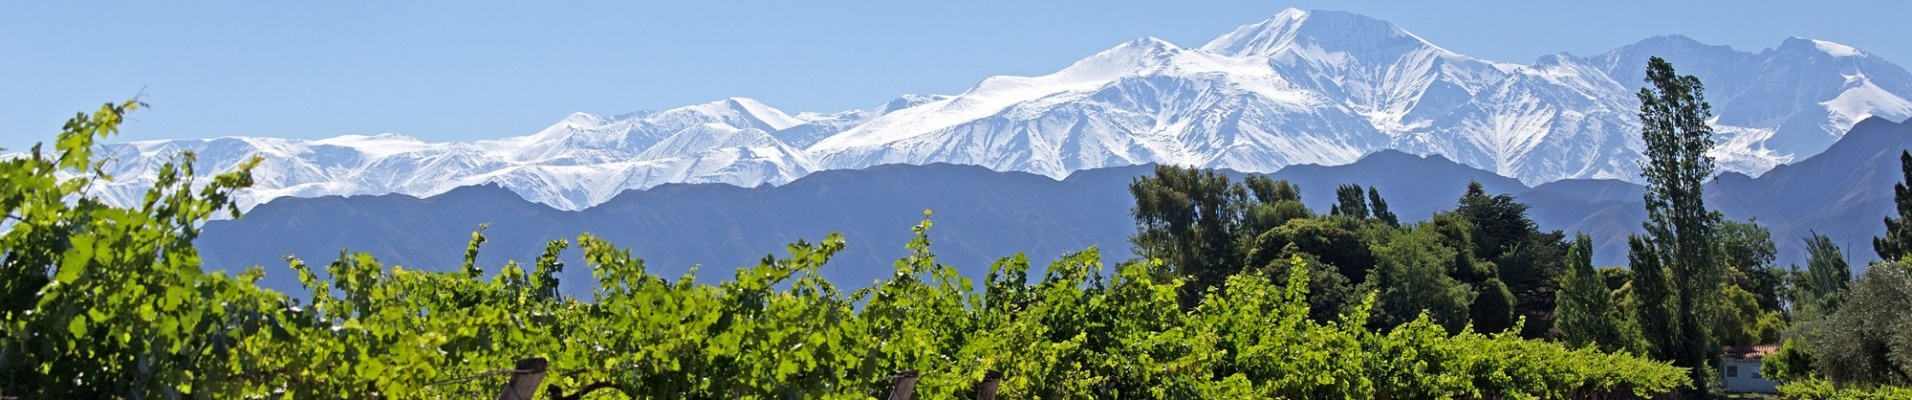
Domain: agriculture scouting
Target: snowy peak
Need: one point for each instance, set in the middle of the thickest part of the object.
(1302, 87)
(1799, 44)
(1295, 30)
(735, 111)
(907, 101)
(1130, 57)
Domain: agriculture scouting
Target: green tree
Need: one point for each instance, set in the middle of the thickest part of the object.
(1502, 221)
(1411, 275)
(1673, 121)
(1493, 308)
(1819, 288)
(1334, 241)
(1897, 242)
(1651, 291)
(1526, 259)
(1189, 218)
(1586, 316)
(1275, 203)
(1380, 207)
(1792, 362)
(1869, 340)
(1349, 201)
(1269, 191)
(1737, 321)
(1748, 251)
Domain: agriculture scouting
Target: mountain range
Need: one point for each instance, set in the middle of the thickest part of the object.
(981, 215)
(1303, 87)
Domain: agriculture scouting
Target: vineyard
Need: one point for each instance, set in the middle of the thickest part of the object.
(105, 302)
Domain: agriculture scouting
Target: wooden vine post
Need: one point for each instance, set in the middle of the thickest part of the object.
(525, 378)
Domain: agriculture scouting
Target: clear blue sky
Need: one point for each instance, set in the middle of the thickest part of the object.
(462, 70)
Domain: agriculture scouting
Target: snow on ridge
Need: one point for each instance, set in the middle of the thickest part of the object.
(380, 145)
(1835, 49)
(996, 93)
(771, 116)
(1862, 100)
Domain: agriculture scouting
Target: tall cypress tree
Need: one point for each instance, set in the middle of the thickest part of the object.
(1897, 241)
(1380, 208)
(1673, 115)
(1350, 201)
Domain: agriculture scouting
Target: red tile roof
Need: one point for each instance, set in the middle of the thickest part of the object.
(1751, 352)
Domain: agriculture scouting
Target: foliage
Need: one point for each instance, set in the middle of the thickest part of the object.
(1349, 200)
(1748, 251)
(1502, 221)
(1818, 289)
(1527, 260)
(1869, 340)
(1410, 275)
(101, 301)
(1651, 298)
(1380, 206)
(1674, 125)
(1737, 322)
(1820, 389)
(1587, 316)
(1190, 219)
(1897, 242)
(1334, 241)
(1793, 361)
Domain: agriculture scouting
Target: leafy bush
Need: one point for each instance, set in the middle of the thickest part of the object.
(1821, 389)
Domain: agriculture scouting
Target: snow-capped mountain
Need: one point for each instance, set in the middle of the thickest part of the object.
(1304, 87)
(581, 161)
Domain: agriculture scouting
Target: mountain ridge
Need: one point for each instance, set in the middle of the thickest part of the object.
(1302, 87)
(981, 214)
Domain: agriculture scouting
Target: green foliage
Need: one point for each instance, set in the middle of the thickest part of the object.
(1652, 299)
(1412, 278)
(1334, 241)
(1349, 201)
(1897, 242)
(1737, 322)
(1493, 309)
(1818, 289)
(1587, 316)
(1380, 206)
(104, 302)
(1502, 221)
(1820, 389)
(1869, 340)
(1793, 361)
(1748, 251)
(1527, 261)
(1674, 125)
(1329, 292)
(1190, 219)
(1275, 203)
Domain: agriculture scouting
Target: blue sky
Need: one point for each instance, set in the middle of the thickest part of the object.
(462, 70)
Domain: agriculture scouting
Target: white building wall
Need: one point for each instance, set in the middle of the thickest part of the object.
(1744, 376)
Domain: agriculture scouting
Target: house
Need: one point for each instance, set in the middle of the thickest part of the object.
(1740, 367)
